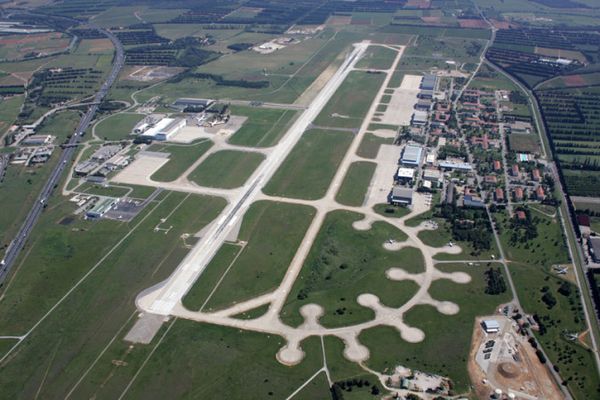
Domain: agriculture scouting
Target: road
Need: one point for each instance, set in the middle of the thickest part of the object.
(162, 298)
(19, 241)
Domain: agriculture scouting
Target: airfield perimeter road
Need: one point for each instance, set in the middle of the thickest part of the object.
(162, 298)
(19, 241)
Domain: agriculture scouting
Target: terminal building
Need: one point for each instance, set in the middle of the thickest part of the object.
(411, 156)
(164, 129)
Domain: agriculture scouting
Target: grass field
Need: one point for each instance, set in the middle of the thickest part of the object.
(369, 147)
(118, 126)
(230, 353)
(309, 168)
(351, 102)
(273, 232)
(226, 169)
(356, 183)
(547, 248)
(377, 57)
(344, 263)
(263, 128)
(181, 158)
(574, 361)
(526, 142)
(21, 185)
(86, 321)
(439, 352)
(9, 109)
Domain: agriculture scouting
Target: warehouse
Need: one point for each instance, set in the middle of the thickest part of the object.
(419, 118)
(411, 156)
(429, 82)
(165, 129)
(401, 196)
(100, 208)
(594, 246)
(432, 175)
(405, 175)
(491, 326)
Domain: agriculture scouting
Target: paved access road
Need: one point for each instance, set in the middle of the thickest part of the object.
(19, 241)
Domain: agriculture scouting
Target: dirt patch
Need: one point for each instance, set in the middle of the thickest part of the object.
(431, 20)
(339, 20)
(574, 80)
(33, 38)
(500, 24)
(472, 23)
(99, 45)
(361, 20)
(418, 4)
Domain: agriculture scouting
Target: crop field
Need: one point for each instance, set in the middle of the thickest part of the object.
(351, 102)
(377, 57)
(574, 128)
(118, 126)
(344, 263)
(132, 257)
(9, 109)
(272, 232)
(356, 183)
(226, 169)
(439, 352)
(284, 82)
(182, 157)
(16, 47)
(263, 128)
(309, 168)
(125, 16)
(441, 32)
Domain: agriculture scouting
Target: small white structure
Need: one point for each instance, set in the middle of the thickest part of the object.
(491, 326)
(405, 175)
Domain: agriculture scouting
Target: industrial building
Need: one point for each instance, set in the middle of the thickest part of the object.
(401, 196)
(472, 201)
(420, 118)
(453, 165)
(164, 129)
(405, 175)
(491, 326)
(429, 82)
(432, 175)
(37, 140)
(411, 156)
(100, 208)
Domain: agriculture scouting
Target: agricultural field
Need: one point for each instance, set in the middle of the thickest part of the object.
(18, 47)
(226, 169)
(574, 129)
(263, 128)
(271, 232)
(309, 168)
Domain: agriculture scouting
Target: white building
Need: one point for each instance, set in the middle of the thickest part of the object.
(491, 326)
(165, 129)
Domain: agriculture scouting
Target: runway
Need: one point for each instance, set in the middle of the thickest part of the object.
(162, 298)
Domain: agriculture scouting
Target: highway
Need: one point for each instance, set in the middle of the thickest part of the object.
(18, 242)
(162, 298)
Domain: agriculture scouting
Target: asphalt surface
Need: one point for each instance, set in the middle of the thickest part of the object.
(162, 298)
(19, 241)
